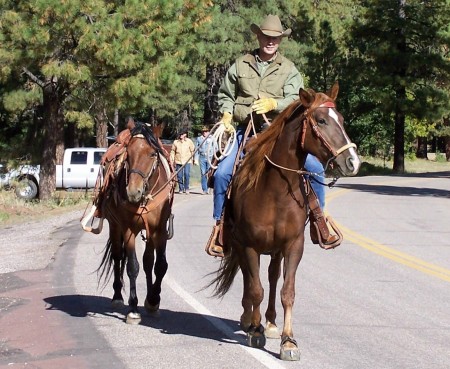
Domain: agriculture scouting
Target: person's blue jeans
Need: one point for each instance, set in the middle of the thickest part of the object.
(204, 167)
(183, 176)
(222, 175)
(312, 164)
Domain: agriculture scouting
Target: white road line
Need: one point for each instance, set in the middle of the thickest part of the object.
(263, 357)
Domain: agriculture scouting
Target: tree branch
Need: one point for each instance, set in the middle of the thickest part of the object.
(33, 77)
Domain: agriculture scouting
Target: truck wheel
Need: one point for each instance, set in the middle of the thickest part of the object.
(26, 189)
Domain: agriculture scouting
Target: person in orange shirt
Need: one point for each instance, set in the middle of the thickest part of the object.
(182, 155)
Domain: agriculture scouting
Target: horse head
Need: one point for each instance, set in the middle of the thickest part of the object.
(142, 161)
(323, 131)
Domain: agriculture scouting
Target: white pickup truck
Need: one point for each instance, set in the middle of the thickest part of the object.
(78, 171)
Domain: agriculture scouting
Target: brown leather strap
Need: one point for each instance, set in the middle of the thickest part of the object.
(315, 212)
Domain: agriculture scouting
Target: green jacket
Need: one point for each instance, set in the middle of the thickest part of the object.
(250, 78)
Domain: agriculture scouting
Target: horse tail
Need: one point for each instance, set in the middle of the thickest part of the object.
(226, 273)
(105, 269)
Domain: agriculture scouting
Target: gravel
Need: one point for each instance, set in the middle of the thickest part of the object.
(32, 245)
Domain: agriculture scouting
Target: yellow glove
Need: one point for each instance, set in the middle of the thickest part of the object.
(226, 121)
(264, 105)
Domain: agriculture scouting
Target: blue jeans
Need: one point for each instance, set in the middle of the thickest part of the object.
(204, 167)
(223, 173)
(183, 176)
(312, 164)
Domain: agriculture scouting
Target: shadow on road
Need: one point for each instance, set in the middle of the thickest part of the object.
(168, 321)
(400, 190)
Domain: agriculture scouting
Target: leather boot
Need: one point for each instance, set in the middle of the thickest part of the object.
(214, 247)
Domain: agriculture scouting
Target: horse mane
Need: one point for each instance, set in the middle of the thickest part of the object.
(145, 130)
(257, 148)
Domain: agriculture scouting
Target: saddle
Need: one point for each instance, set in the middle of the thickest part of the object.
(320, 224)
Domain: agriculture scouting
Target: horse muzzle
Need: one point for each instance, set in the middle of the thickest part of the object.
(135, 195)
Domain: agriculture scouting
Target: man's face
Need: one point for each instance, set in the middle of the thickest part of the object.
(268, 45)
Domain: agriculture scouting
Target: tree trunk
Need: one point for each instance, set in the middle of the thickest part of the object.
(447, 139)
(116, 122)
(101, 120)
(53, 147)
(399, 141)
(400, 96)
(214, 77)
(422, 148)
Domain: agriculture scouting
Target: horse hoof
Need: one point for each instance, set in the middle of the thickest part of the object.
(153, 310)
(289, 350)
(256, 340)
(271, 331)
(290, 354)
(117, 304)
(133, 318)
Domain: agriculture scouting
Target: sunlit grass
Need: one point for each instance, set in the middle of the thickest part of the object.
(14, 209)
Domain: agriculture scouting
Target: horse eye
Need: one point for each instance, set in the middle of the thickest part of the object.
(322, 121)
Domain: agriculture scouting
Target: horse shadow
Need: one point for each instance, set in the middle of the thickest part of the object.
(167, 321)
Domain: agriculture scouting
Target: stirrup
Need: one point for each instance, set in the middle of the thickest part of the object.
(212, 247)
(333, 241)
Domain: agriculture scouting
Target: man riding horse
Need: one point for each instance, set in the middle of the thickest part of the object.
(256, 88)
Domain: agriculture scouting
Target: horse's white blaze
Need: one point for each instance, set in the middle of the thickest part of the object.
(355, 159)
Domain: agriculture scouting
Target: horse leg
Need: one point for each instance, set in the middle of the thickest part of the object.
(271, 330)
(246, 317)
(133, 316)
(117, 256)
(255, 334)
(154, 289)
(289, 349)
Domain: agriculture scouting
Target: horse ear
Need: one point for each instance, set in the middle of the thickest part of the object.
(333, 92)
(157, 130)
(306, 97)
(130, 123)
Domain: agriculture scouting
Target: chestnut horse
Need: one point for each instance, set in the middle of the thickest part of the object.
(267, 209)
(139, 198)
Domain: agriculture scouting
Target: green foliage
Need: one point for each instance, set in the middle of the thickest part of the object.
(81, 119)
(399, 48)
(151, 58)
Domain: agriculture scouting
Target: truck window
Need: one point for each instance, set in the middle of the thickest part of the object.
(98, 157)
(78, 157)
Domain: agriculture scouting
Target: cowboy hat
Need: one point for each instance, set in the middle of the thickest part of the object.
(271, 26)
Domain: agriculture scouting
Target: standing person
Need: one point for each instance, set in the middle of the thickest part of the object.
(261, 82)
(203, 156)
(181, 155)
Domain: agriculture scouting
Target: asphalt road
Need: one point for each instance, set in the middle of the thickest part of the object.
(380, 300)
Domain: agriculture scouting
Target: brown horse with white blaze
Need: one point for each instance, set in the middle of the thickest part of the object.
(139, 200)
(267, 209)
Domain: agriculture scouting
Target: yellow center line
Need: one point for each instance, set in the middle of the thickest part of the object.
(388, 252)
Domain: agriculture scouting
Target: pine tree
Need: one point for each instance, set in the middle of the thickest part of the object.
(82, 60)
(401, 63)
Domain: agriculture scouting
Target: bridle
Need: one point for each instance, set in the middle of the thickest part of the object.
(145, 177)
(316, 131)
(308, 119)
